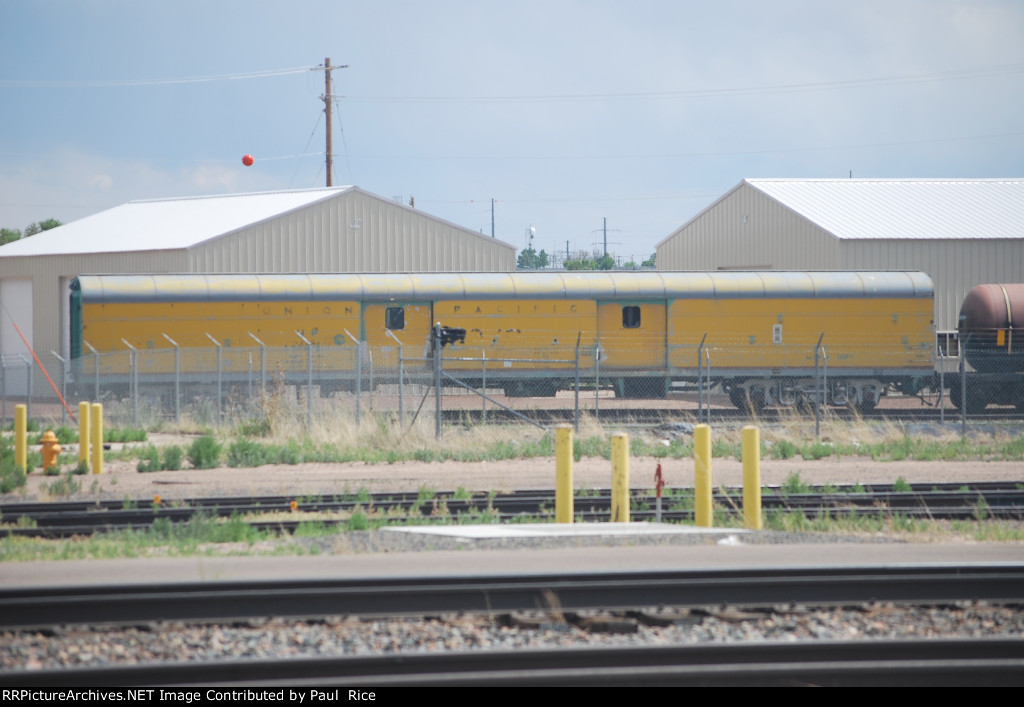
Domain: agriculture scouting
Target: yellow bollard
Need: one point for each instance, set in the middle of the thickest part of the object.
(702, 475)
(563, 474)
(620, 478)
(83, 435)
(97, 438)
(751, 478)
(21, 437)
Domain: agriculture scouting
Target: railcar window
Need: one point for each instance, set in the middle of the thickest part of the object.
(394, 318)
(631, 317)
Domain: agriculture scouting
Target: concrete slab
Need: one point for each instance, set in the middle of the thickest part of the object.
(559, 530)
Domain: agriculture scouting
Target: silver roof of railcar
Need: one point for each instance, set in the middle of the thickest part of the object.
(554, 285)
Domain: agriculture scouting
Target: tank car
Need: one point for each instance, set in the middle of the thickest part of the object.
(991, 317)
(992, 340)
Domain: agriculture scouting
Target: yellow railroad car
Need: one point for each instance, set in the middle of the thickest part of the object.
(766, 337)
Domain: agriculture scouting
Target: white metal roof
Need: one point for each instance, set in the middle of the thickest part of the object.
(905, 208)
(165, 224)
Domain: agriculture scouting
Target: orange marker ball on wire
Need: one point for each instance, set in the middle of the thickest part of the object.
(247, 160)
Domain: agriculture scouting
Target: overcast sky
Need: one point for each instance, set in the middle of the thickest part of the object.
(643, 112)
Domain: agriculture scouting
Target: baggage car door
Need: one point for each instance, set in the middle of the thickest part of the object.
(632, 335)
(409, 322)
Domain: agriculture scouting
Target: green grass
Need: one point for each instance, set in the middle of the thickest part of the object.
(385, 443)
(794, 485)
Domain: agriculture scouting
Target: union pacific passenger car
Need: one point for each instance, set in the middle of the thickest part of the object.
(766, 337)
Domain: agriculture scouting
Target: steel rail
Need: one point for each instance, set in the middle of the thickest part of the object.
(942, 501)
(28, 607)
(917, 662)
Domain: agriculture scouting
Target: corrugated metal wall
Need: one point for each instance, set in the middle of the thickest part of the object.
(354, 232)
(954, 265)
(745, 228)
(47, 273)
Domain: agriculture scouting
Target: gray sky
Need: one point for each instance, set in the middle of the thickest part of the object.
(564, 112)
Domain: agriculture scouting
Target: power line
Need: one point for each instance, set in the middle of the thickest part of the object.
(957, 74)
(126, 83)
(715, 153)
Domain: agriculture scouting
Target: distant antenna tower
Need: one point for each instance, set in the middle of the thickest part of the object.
(531, 233)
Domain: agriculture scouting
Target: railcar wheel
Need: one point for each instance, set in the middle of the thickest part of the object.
(738, 398)
(867, 405)
(752, 403)
(976, 400)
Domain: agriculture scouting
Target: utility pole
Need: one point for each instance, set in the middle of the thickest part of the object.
(327, 99)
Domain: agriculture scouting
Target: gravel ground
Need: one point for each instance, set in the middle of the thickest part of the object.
(340, 636)
(121, 480)
(343, 636)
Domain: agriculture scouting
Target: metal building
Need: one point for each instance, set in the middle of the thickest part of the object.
(961, 232)
(342, 229)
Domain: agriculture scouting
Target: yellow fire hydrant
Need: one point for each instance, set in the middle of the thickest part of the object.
(51, 449)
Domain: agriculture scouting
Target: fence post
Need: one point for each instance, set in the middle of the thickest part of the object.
(63, 385)
(700, 380)
(3, 389)
(942, 388)
(576, 388)
(96, 370)
(401, 386)
(597, 382)
(963, 394)
(309, 381)
(133, 381)
(219, 369)
(263, 362)
(818, 392)
(177, 379)
(401, 377)
(436, 348)
(28, 383)
(359, 375)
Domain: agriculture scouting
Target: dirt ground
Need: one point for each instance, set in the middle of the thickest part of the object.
(121, 480)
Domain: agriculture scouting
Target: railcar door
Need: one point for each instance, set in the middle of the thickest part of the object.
(632, 336)
(408, 322)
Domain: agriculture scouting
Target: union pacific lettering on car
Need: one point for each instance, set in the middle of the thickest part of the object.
(765, 337)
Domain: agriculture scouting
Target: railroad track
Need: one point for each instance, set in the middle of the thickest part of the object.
(930, 662)
(947, 501)
(613, 414)
(627, 594)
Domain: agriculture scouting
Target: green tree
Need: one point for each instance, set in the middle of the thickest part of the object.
(40, 226)
(649, 263)
(9, 235)
(530, 259)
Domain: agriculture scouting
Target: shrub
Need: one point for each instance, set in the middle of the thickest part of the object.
(11, 478)
(149, 460)
(171, 458)
(204, 453)
(784, 449)
(245, 452)
(125, 434)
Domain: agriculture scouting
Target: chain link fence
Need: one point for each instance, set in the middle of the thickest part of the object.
(224, 386)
